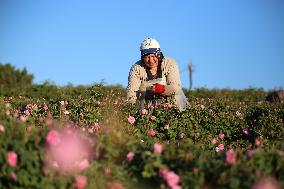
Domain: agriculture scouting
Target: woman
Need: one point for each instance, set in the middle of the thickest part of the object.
(155, 78)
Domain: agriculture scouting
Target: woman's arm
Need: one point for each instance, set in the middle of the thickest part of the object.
(173, 78)
(134, 83)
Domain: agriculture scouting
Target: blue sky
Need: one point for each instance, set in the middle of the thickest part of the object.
(233, 44)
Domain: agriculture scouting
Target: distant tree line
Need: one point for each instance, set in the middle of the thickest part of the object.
(14, 80)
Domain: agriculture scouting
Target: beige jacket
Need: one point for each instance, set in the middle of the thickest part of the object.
(138, 76)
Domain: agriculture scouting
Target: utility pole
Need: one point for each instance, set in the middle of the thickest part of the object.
(190, 70)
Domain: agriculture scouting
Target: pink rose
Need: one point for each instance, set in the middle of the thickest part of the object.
(63, 103)
(214, 141)
(2, 129)
(250, 153)
(246, 131)
(144, 111)
(28, 107)
(130, 156)
(171, 178)
(231, 157)
(158, 148)
(257, 141)
(80, 182)
(45, 107)
(68, 150)
(221, 136)
(13, 176)
(114, 185)
(12, 158)
(27, 112)
(219, 148)
(23, 118)
(131, 119)
(195, 170)
(152, 132)
(153, 118)
(168, 105)
(167, 127)
(84, 164)
(107, 171)
(34, 106)
(182, 135)
(266, 183)
(163, 171)
(53, 138)
(176, 187)
(28, 128)
(151, 106)
(238, 114)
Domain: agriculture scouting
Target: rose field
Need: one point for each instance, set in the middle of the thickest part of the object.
(88, 137)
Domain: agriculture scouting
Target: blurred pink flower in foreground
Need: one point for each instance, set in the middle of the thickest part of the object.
(2, 129)
(67, 151)
(231, 157)
(12, 158)
(114, 185)
(250, 153)
(107, 171)
(221, 136)
(195, 170)
(80, 182)
(158, 148)
(13, 176)
(266, 183)
(131, 119)
(171, 178)
(130, 156)
(152, 132)
(220, 147)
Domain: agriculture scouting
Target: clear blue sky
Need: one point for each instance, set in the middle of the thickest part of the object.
(232, 43)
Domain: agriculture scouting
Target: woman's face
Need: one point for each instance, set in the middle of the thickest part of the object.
(151, 61)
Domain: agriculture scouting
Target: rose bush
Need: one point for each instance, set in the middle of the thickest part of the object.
(227, 139)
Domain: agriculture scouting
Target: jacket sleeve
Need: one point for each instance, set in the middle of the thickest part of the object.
(173, 78)
(134, 83)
